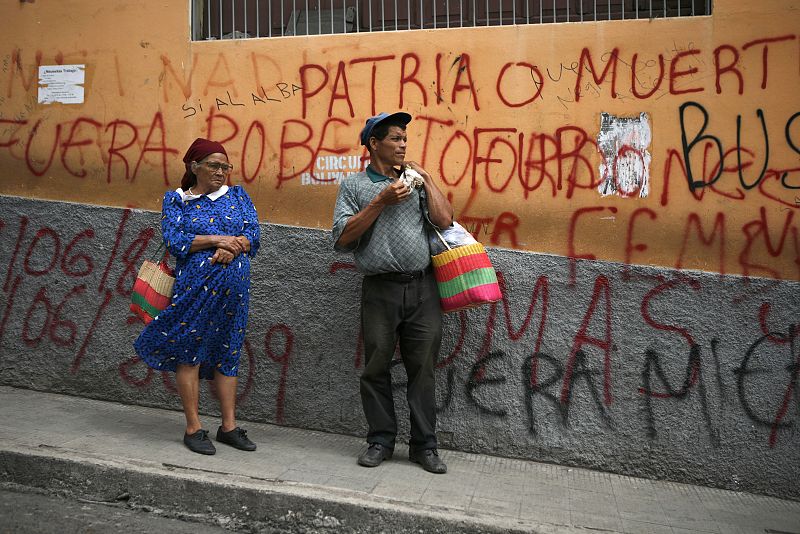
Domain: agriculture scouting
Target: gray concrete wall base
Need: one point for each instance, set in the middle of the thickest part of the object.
(678, 375)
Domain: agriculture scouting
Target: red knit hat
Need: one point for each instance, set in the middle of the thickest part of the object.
(198, 150)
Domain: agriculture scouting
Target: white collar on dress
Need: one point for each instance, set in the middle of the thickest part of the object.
(212, 196)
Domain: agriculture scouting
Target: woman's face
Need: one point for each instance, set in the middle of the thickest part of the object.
(212, 173)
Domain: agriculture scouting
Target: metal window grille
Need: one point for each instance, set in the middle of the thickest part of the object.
(243, 19)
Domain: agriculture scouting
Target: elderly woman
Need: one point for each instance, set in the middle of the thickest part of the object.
(212, 230)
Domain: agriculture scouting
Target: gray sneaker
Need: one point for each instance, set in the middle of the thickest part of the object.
(236, 438)
(199, 442)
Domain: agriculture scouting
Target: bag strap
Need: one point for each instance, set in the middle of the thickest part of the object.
(443, 240)
(164, 257)
(423, 206)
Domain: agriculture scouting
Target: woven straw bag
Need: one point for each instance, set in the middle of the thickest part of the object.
(152, 290)
(464, 276)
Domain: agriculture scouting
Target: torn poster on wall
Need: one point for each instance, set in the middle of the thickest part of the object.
(623, 142)
(61, 83)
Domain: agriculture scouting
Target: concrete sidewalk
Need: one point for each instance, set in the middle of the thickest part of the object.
(306, 481)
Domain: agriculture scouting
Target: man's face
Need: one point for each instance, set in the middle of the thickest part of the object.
(391, 150)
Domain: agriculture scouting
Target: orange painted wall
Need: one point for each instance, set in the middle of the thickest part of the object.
(507, 118)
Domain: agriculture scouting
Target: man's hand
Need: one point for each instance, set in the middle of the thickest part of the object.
(394, 193)
(222, 256)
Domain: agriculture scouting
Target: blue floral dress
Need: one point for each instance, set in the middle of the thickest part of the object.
(206, 321)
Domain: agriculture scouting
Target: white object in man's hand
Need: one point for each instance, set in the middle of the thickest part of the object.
(412, 178)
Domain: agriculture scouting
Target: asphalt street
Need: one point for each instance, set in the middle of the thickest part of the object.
(26, 512)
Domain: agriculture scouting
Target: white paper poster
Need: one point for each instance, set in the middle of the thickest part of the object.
(61, 83)
(624, 143)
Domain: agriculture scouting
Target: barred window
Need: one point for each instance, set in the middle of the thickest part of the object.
(243, 19)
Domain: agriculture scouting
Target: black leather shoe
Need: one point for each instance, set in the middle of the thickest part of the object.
(374, 455)
(199, 442)
(236, 438)
(429, 460)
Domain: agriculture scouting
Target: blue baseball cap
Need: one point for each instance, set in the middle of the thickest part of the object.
(372, 122)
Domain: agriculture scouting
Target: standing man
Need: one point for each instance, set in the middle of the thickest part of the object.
(378, 218)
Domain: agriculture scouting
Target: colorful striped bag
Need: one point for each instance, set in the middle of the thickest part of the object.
(464, 275)
(152, 290)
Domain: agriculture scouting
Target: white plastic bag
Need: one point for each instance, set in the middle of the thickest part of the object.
(451, 237)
